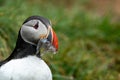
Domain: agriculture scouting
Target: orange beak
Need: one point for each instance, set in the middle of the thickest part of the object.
(54, 40)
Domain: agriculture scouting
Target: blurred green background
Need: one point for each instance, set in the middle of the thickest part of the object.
(88, 32)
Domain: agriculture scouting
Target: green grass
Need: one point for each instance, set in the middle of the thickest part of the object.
(88, 43)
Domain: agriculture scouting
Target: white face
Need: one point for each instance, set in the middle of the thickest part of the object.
(31, 34)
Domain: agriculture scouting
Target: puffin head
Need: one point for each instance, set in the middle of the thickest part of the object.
(37, 31)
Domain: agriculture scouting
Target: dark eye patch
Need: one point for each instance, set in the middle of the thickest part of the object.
(36, 25)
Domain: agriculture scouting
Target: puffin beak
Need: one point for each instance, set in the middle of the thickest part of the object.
(48, 43)
(54, 40)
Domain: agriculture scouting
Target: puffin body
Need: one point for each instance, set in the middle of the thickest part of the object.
(25, 61)
(28, 68)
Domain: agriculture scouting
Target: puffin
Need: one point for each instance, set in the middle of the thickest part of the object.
(35, 37)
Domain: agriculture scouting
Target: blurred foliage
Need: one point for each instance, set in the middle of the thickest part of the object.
(88, 42)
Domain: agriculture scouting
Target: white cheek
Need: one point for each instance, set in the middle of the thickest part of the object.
(42, 30)
(27, 34)
(30, 34)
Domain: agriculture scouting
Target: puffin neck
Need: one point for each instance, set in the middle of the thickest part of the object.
(22, 49)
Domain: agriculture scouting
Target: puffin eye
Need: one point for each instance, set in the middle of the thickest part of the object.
(36, 25)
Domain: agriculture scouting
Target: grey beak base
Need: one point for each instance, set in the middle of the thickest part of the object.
(46, 45)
